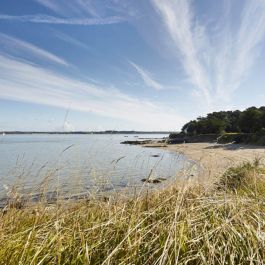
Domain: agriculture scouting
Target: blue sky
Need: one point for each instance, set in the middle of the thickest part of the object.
(127, 64)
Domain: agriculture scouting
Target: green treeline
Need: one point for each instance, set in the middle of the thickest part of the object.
(251, 120)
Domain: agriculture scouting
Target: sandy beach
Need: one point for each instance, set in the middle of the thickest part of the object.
(215, 158)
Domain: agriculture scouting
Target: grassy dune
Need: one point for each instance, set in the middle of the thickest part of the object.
(185, 224)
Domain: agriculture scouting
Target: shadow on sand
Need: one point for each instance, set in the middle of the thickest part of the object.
(234, 147)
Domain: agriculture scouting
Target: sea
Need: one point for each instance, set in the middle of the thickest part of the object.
(77, 164)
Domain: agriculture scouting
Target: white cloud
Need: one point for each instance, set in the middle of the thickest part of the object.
(148, 79)
(64, 21)
(216, 63)
(52, 5)
(91, 8)
(68, 39)
(70, 8)
(240, 50)
(8, 42)
(24, 82)
(78, 13)
(75, 12)
(178, 19)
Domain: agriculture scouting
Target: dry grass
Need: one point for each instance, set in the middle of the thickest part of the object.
(184, 224)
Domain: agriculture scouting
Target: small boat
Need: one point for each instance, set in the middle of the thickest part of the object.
(3, 134)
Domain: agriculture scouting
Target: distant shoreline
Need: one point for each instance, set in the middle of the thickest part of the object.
(85, 132)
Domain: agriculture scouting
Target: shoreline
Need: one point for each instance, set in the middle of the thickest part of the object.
(189, 223)
(214, 158)
(211, 161)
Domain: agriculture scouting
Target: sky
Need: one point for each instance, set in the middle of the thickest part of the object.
(96, 65)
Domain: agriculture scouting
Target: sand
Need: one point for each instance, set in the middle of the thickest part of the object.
(216, 158)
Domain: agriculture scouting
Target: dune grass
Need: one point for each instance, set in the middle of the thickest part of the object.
(183, 224)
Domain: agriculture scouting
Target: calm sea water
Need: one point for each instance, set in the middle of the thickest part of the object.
(80, 163)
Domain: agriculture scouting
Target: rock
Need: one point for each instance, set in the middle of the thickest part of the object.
(153, 181)
(162, 179)
(105, 199)
(156, 181)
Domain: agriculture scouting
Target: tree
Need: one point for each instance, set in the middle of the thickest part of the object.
(251, 120)
(190, 128)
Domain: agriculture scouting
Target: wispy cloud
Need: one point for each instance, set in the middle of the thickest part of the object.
(21, 81)
(149, 80)
(64, 21)
(239, 50)
(177, 17)
(71, 8)
(91, 8)
(68, 39)
(216, 64)
(52, 5)
(75, 12)
(18, 46)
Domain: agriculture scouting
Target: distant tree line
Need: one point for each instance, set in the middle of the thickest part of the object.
(251, 120)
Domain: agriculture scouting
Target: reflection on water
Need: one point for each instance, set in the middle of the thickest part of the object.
(80, 163)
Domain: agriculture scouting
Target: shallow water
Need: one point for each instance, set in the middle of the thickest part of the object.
(81, 163)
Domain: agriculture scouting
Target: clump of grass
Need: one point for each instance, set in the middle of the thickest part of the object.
(246, 177)
(184, 224)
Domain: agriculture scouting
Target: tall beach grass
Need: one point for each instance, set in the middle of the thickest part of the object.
(186, 223)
